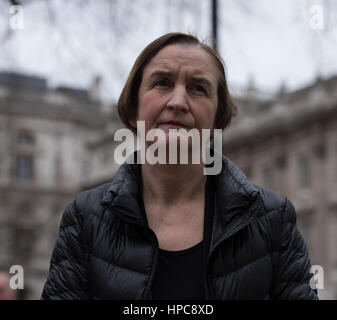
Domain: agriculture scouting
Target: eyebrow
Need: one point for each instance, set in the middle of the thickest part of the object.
(167, 73)
(201, 80)
(157, 73)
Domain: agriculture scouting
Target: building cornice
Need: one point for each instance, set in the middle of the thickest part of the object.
(318, 104)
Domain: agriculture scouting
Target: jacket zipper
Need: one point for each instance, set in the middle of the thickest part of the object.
(148, 288)
(208, 285)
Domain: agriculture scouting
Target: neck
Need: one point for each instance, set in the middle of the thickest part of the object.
(172, 184)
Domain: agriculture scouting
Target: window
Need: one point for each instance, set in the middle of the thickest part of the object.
(320, 151)
(268, 178)
(281, 162)
(85, 172)
(304, 173)
(305, 230)
(26, 138)
(24, 167)
(105, 157)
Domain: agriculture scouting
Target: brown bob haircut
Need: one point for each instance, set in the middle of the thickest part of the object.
(128, 100)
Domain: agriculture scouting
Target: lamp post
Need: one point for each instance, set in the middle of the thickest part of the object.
(214, 24)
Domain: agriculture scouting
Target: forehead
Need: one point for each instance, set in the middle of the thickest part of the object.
(191, 58)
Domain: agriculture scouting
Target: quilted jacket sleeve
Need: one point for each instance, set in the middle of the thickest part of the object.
(293, 272)
(67, 276)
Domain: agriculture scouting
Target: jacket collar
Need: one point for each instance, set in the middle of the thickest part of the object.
(124, 193)
(234, 202)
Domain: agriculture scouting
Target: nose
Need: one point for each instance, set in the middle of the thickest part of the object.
(177, 100)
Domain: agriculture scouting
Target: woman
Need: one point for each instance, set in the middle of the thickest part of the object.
(168, 231)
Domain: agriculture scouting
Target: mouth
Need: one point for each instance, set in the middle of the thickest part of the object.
(173, 124)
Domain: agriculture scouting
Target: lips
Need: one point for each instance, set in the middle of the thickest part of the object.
(173, 123)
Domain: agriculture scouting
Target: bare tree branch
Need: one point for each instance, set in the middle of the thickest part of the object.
(14, 2)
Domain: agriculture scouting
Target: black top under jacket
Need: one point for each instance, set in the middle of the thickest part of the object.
(180, 275)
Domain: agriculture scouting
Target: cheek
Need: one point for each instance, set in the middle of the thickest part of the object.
(213, 112)
(206, 115)
(149, 108)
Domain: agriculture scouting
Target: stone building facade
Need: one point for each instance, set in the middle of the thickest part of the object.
(43, 161)
(57, 142)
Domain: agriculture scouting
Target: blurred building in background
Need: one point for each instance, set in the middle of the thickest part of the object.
(44, 160)
(56, 142)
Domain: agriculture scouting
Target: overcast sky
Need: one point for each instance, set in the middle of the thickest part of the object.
(266, 41)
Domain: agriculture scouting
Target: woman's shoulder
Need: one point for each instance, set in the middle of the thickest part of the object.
(277, 205)
(270, 199)
(89, 201)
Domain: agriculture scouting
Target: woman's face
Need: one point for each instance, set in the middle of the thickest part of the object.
(178, 90)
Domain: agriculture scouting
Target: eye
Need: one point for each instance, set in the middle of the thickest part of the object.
(161, 83)
(198, 88)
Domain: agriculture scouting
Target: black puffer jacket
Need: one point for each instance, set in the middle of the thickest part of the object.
(105, 251)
